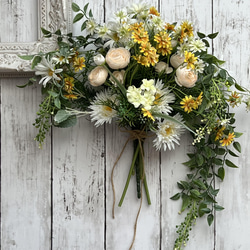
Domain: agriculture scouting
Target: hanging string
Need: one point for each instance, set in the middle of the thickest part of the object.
(139, 135)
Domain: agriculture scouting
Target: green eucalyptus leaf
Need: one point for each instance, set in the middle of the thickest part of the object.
(232, 153)
(53, 94)
(70, 122)
(218, 208)
(201, 35)
(57, 103)
(210, 219)
(195, 194)
(221, 173)
(237, 134)
(212, 36)
(206, 42)
(58, 32)
(45, 32)
(185, 184)
(213, 191)
(199, 183)
(84, 25)
(199, 159)
(35, 61)
(176, 197)
(206, 210)
(223, 73)
(26, 57)
(220, 151)
(85, 7)
(186, 200)
(75, 7)
(78, 17)
(200, 209)
(238, 87)
(90, 13)
(61, 115)
(218, 161)
(230, 164)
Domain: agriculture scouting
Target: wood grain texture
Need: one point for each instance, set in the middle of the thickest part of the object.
(25, 172)
(60, 197)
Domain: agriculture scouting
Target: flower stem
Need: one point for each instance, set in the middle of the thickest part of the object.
(129, 176)
(146, 190)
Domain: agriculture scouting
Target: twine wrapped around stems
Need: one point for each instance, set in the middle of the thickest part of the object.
(139, 135)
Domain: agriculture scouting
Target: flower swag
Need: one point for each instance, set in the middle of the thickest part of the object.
(154, 80)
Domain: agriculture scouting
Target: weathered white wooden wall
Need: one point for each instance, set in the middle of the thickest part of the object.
(60, 197)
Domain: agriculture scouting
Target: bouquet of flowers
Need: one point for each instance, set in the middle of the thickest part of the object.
(153, 79)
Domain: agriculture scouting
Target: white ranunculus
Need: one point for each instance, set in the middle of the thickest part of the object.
(98, 76)
(176, 60)
(185, 77)
(99, 59)
(119, 75)
(118, 58)
(163, 67)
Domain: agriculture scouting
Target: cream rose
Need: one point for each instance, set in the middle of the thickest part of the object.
(118, 58)
(119, 75)
(176, 60)
(163, 67)
(98, 76)
(99, 59)
(185, 77)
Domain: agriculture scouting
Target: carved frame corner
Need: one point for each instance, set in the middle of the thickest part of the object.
(52, 15)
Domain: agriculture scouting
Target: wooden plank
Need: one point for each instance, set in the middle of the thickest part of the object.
(231, 19)
(172, 170)
(18, 21)
(79, 180)
(25, 171)
(78, 187)
(121, 229)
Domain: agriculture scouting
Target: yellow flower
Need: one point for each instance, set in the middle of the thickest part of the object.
(219, 133)
(199, 99)
(148, 57)
(153, 11)
(163, 40)
(186, 30)
(228, 139)
(148, 114)
(234, 99)
(188, 103)
(79, 63)
(190, 59)
(68, 84)
(169, 27)
(71, 96)
(139, 34)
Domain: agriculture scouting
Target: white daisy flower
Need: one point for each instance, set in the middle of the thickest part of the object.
(185, 46)
(46, 68)
(100, 112)
(199, 66)
(197, 45)
(168, 133)
(91, 26)
(163, 97)
(140, 10)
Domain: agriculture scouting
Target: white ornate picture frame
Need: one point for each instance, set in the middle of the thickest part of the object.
(52, 15)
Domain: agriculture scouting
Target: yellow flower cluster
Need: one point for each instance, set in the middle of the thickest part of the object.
(68, 87)
(190, 59)
(163, 41)
(186, 31)
(148, 54)
(189, 103)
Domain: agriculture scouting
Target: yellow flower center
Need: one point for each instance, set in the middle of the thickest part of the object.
(51, 72)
